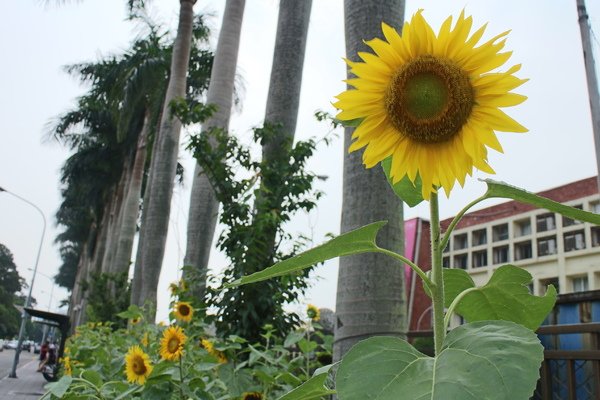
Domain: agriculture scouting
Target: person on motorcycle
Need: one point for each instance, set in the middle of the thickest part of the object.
(50, 356)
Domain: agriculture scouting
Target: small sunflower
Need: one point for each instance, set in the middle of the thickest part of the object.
(183, 311)
(207, 345)
(135, 320)
(210, 349)
(431, 103)
(66, 363)
(137, 365)
(252, 396)
(171, 344)
(313, 313)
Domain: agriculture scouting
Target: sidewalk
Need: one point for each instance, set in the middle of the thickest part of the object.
(28, 386)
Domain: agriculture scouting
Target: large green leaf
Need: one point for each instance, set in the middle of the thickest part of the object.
(409, 192)
(361, 240)
(505, 297)
(314, 388)
(492, 360)
(503, 190)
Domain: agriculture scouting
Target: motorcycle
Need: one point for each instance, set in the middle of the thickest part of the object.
(50, 372)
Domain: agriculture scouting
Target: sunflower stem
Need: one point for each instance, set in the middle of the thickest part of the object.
(437, 289)
(181, 377)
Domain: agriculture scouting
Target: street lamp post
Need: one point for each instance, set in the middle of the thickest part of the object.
(13, 372)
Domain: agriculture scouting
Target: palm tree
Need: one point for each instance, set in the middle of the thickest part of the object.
(153, 234)
(370, 289)
(281, 113)
(203, 213)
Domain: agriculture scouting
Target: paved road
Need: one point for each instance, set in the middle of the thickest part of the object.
(28, 386)
(6, 360)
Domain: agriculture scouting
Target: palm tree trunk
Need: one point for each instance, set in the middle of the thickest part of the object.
(115, 217)
(282, 107)
(370, 290)
(158, 208)
(204, 207)
(286, 73)
(131, 205)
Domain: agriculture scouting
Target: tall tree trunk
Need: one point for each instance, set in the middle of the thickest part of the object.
(370, 290)
(204, 207)
(131, 205)
(283, 101)
(158, 209)
(115, 214)
(286, 73)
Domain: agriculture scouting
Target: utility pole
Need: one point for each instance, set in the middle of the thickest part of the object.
(592, 80)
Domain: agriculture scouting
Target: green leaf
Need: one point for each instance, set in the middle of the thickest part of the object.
(407, 191)
(292, 338)
(456, 281)
(503, 190)
(93, 377)
(505, 297)
(314, 388)
(361, 240)
(59, 388)
(492, 360)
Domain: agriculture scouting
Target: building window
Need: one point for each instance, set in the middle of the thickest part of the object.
(460, 261)
(461, 241)
(500, 232)
(580, 284)
(500, 254)
(595, 207)
(566, 221)
(479, 258)
(523, 250)
(446, 262)
(544, 283)
(595, 236)
(546, 246)
(523, 227)
(479, 237)
(574, 240)
(545, 222)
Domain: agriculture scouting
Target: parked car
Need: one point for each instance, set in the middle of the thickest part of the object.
(1, 344)
(37, 347)
(12, 344)
(27, 345)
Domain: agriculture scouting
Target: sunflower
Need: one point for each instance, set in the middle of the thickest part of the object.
(252, 396)
(66, 362)
(137, 365)
(210, 349)
(171, 344)
(183, 311)
(135, 320)
(313, 313)
(431, 103)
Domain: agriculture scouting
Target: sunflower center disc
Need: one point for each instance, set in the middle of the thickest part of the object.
(173, 345)
(429, 99)
(139, 367)
(184, 310)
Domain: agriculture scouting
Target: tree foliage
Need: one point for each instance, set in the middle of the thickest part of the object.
(103, 128)
(238, 180)
(10, 285)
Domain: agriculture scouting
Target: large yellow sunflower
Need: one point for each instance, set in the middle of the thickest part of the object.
(171, 344)
(431, 102)
(183, 311)
(137, 365)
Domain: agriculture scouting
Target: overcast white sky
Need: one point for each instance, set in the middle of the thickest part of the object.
(38, 40)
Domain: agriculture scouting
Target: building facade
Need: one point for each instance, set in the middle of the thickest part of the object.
(553, 249)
